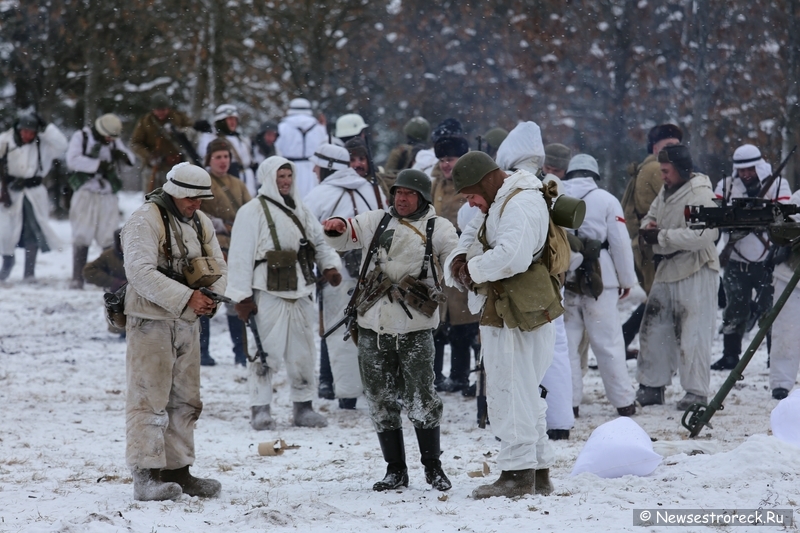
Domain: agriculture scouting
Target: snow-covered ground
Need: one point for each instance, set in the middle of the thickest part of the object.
(62, 461)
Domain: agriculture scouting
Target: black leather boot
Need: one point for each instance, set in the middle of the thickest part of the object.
(731, 348)
(394, 453)
(430, 450)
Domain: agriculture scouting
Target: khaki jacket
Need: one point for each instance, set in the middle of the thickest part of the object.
(642, 189)
(230, 194)
(150, 141)
(150, 293)
(696, 247)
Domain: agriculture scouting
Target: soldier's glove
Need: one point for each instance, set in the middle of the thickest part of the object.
(456, 264)
(245, 308)
(649, 236)
(460, 271)
(119, 155)
(332, 276)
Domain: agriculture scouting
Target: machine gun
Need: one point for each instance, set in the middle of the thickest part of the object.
(744, 214)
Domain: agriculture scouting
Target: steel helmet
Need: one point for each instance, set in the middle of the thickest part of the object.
(349, 125)
(471, 168)
(416, 180)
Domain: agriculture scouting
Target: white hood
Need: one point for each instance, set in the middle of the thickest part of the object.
(347, 179)
(267, 174)
(522, 149)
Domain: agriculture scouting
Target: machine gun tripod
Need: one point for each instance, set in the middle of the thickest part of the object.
(744, 214)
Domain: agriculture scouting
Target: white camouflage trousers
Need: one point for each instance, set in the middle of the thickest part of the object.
(286, 328)
(784, 358)
(515, 362)
(558, 382)
(163, 398)
(94, 216)
(601, 321)
(677, 332)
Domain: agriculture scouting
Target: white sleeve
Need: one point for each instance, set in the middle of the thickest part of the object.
(76, 160)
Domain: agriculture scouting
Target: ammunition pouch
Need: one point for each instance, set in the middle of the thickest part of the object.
(281, 270)
(588, 277)
(352, 262)
(201, 272)
(376, 286)
(526, 301)
(115, 307)
(420, 296)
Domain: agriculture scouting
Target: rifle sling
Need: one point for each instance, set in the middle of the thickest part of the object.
(373, 245)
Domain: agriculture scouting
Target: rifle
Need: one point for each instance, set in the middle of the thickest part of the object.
(371, 171)
(480, 143)
(260, 353)
(775, 175)
(351, 310)
(480, 394)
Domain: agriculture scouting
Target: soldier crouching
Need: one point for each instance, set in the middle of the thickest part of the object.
(397, 312)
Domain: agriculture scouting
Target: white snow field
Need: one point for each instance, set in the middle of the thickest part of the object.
(62, 438)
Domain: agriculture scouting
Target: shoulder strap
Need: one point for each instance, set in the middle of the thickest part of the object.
(304, 133)
(198, 226)
(167, 233)
(482, 231)
(270, 223)
(429, 254)
(289, 214)
(373, 245)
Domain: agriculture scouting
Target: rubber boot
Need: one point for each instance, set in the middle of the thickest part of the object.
(542, 483)
(79, 255)
(8, 266)
(193, 486)
(731, 348)
(558, 434)
(148, 486)
(689, 399)
(31, 250)
(511, 484)
(238, 338)
(394, 453)
(261, 418)
(430, 450)
(306, 417)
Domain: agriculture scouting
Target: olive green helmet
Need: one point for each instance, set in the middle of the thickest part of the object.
(416, 180)
(471, 168)
(418, 129)
(495, 137)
